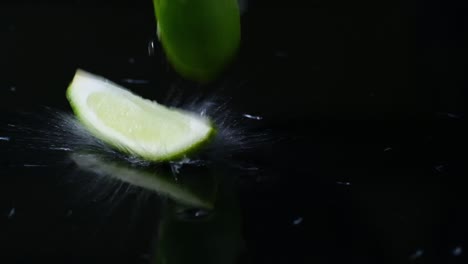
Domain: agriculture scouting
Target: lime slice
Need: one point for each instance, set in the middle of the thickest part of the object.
(133, 124)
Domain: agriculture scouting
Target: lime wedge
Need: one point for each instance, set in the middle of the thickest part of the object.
(133, 124)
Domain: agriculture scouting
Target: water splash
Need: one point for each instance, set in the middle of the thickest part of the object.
(4, 138)
(50, 136)
(233, 133)
(52, 131)
(135, 81)
(177, 165)
(252, 117)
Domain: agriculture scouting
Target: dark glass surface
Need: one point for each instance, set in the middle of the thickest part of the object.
(364, 159)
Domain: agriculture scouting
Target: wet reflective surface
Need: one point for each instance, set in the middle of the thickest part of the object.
(344, 139)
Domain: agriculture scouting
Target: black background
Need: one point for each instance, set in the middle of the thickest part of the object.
(364, 101)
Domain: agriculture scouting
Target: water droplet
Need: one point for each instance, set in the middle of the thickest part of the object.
(131, 60)
(193, 213)
(417, 254)
(457, 251)
(343, 183)
(252, 117)
(135, 81)
(69, 213)
(449, 115)
(439, 168)
(11, 213)
(13, 88)
(151, 47)
(201, 213)
(60, 148)
(177, 165)
(33, 165)
(175, 168)
(297, 221)
(453, 115)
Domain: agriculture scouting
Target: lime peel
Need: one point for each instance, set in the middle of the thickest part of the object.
(135, 125)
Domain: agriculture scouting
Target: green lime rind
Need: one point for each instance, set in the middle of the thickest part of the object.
(196, 147)
(199, 37)
(134, 146)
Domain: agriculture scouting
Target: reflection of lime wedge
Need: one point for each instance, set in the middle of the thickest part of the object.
(199, 236)
(133, 124)
(199, 190)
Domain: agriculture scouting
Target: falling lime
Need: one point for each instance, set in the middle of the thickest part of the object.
(199, 37)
